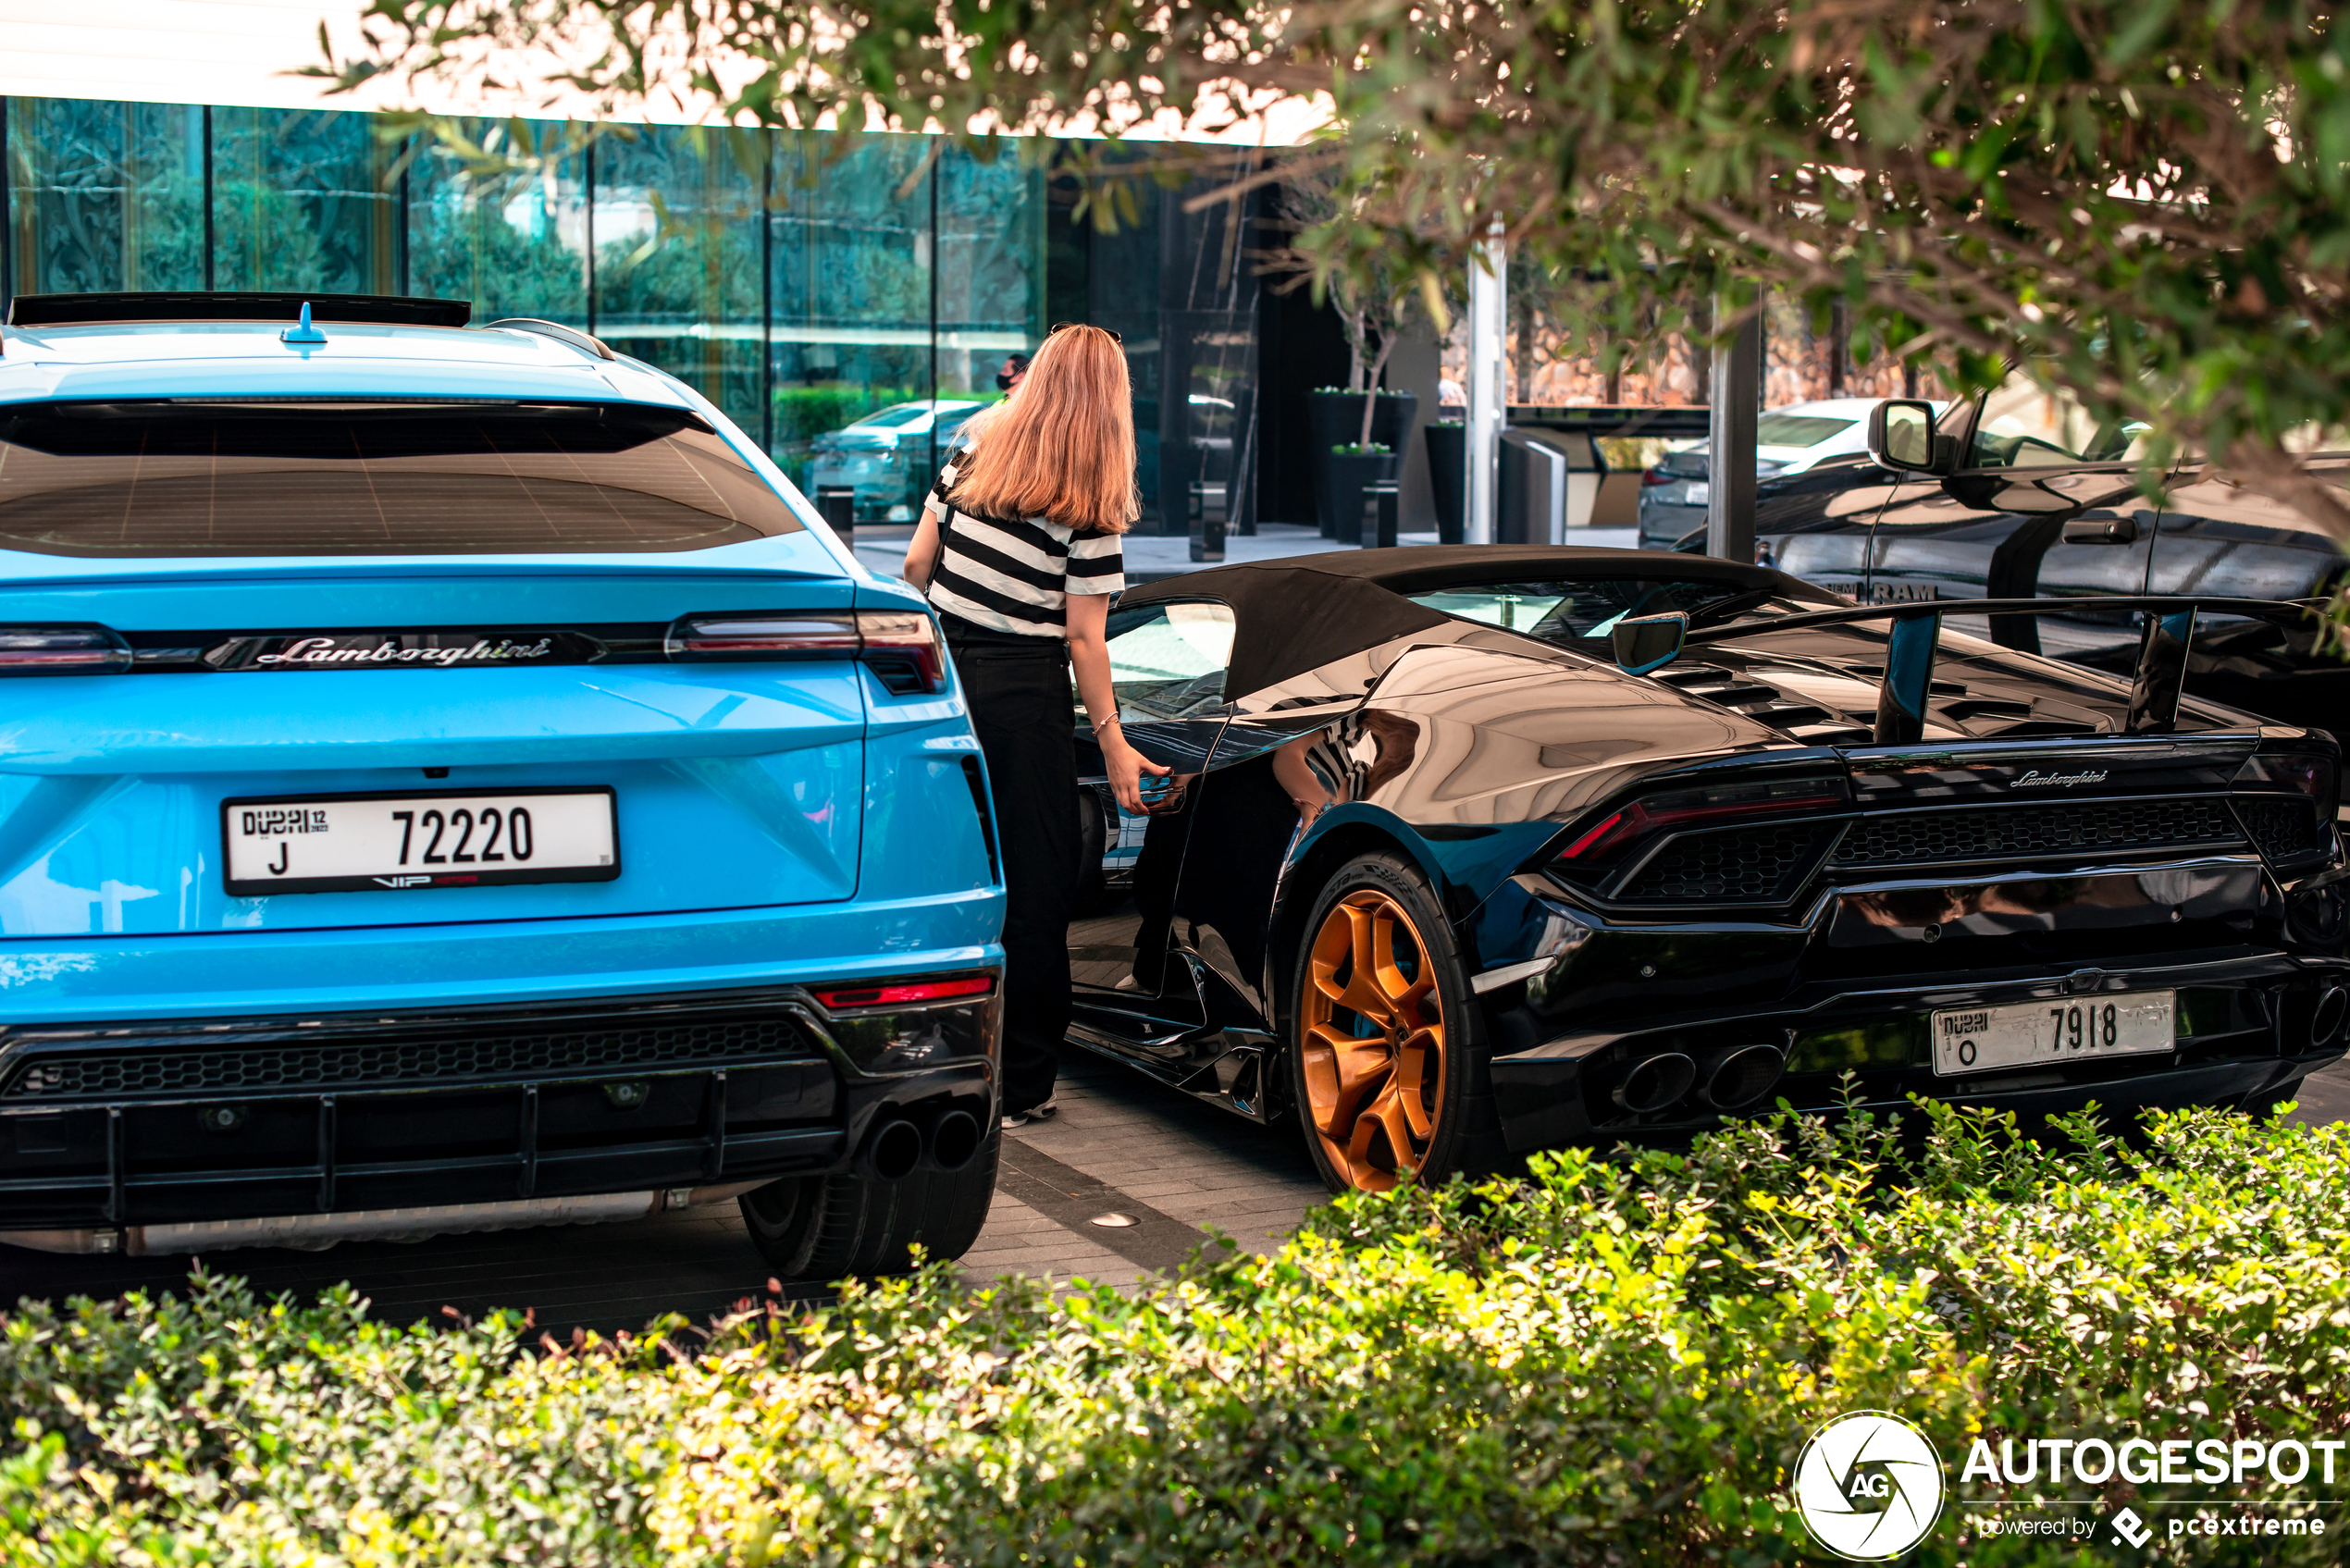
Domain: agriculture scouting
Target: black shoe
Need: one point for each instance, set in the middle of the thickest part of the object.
(1045, 1112)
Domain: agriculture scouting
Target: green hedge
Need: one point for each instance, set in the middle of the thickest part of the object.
(1614, 1362)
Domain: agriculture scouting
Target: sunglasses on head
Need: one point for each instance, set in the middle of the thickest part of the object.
(1065, 325)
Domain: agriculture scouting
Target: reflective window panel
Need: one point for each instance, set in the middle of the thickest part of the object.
(513, 243)
(105, 196)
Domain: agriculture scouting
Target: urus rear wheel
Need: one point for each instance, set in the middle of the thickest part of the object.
(816, 1229)
(1386, 1067)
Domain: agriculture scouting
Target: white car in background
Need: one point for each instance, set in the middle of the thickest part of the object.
(890, 456)
(1674, 491)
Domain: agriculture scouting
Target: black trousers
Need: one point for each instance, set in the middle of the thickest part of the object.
(1021, 704)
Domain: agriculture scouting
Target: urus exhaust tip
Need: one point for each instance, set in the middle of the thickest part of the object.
(1742, 1076)
(954, 1140)
(893, 1151)
(1653, 1082)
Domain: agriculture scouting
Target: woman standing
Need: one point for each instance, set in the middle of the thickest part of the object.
(1018, 551)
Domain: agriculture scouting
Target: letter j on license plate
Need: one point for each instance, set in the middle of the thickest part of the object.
(2037, 1033)
(378, 842)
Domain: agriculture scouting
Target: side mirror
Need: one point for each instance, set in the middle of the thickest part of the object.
(1901, 435)
(1650, 642)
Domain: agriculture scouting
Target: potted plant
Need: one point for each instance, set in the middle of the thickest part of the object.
(1448, 477)
(1337, 414)
(1359, 423)
(1350, 469)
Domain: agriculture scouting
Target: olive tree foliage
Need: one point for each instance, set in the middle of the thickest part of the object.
(2142, 200)
(1375, 302)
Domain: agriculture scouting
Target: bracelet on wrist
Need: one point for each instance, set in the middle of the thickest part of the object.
(1101, 724)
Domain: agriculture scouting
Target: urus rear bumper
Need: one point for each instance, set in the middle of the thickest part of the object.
(130, 1129)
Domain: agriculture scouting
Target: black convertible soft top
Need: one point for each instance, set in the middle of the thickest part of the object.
(1294, 614)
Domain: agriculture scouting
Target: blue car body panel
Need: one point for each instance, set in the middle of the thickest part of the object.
(779, 825)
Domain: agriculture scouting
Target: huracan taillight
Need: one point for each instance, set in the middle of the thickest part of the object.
(2303, 772)
(901, 647)
(1716, 807)
(1745, 842)
(62, 650)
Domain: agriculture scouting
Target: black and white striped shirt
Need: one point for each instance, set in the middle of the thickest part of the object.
(1016, 576)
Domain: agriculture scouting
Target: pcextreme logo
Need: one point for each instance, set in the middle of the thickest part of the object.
(1868, 1485)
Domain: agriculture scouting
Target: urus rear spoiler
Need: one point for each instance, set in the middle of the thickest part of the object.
(1650, 642)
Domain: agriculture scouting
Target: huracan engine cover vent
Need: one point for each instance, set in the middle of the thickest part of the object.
(2008, 833)
(2285, 828)
(1730, 865)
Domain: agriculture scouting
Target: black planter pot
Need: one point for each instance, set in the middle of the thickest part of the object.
(1348, 473)
(1448, 477)
(1337, 421)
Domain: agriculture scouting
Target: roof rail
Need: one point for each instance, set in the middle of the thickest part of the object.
(86, 309)
(556, 331)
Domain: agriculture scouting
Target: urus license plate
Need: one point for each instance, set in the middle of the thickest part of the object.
(373, 843)
(2040, 1034)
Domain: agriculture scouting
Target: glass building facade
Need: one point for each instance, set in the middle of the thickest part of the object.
(848, 312)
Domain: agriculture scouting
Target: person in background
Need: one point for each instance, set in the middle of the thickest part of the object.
(1018, 551)
(1015, 371)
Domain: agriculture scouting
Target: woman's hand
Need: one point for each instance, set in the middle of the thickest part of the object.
(1127, 767)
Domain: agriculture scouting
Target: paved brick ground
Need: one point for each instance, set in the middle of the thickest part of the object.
(1120, 1145)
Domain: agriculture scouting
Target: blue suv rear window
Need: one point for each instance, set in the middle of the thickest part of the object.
(190, 478)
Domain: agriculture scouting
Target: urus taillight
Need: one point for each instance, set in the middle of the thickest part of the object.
(900, 647)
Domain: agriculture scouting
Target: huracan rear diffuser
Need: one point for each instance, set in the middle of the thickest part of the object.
(901, 647)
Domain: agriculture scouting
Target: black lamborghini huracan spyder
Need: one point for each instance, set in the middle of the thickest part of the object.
(1479, 851)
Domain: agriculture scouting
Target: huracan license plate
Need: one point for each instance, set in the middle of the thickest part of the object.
(367, 843)
(2036, 1034)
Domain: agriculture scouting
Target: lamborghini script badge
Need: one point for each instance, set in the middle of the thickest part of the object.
(2034, 779)
(401, 650)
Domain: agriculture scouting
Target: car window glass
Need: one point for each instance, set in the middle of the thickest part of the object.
(2026, 426)
(132, 479)
(891, 418)
(1167, 660)
(1798, 429)
(1567, 612)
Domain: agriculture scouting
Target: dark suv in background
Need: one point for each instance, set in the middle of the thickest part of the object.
(2019, 494)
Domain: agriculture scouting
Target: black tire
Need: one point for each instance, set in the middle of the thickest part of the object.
(815, 1229)
(1464, 1134)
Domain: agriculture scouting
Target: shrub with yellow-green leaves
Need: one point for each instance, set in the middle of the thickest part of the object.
(1616, 1360)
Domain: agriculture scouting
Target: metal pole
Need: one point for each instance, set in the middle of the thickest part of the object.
(1735, 398)
(1488, 343)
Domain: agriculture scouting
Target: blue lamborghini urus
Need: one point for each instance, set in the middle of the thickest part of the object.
(449, 779)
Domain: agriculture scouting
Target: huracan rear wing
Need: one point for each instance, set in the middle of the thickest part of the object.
(1651, 642)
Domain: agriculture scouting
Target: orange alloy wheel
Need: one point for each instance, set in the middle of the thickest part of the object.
(1371, 1042)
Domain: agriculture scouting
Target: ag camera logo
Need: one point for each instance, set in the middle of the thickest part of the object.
(1868, 1485)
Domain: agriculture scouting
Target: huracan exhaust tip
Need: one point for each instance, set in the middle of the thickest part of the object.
(893, 1151)
(954, 1140)
(2325, 1021)
(1654, 1082)
(1742, 1077)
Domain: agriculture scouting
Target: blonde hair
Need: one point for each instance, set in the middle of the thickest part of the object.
(1063, 445)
